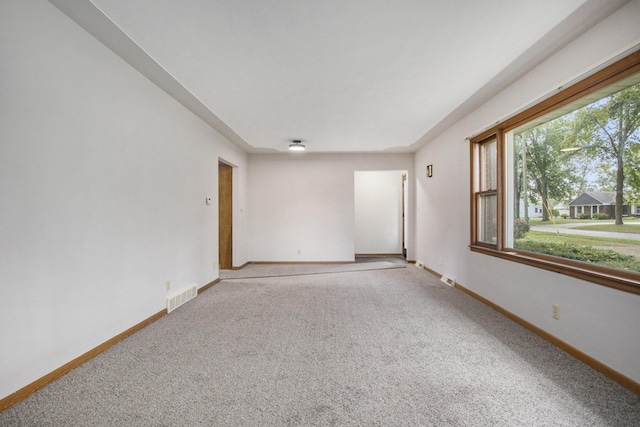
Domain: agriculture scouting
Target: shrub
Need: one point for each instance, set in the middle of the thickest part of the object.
(564, 216)
(520, 228)
(588, 254)
(555, 212)
(601, 216)
(583, 216)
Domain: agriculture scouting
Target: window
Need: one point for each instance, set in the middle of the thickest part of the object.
(486, 198)
(569, 150)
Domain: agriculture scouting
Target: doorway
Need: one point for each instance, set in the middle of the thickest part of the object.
(225, 216)
(380, 213)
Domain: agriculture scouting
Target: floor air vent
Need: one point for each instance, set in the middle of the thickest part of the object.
(448, 280)
(176, 300)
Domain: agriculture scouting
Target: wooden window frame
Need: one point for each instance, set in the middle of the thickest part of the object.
(476, 192)
(614, 278)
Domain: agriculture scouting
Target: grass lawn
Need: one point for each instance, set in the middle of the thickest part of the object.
(539, 221)
(624, 228)
(579, 240)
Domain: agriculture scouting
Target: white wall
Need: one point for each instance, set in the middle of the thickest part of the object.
(103, 179)
(597, 320)
(378, 212)
(305, 201)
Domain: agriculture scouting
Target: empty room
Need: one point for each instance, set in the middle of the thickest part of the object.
(320, 213)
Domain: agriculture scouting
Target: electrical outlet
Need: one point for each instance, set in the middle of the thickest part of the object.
(556, 311)
(299, 251)
(168, 285)
(439, 261)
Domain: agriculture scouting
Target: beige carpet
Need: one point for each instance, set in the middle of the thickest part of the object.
(282, 270)
(382, 347)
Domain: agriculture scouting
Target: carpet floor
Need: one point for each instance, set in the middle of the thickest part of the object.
(258, 271)
(377, 347)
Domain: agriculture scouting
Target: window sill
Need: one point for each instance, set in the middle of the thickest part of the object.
(601, 275)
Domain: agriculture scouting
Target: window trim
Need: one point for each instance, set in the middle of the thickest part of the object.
(476, 192)
(610, 277)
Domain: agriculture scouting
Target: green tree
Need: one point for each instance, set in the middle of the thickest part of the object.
(548, 176)
(609, 127)
(583, 163)
(633, 174)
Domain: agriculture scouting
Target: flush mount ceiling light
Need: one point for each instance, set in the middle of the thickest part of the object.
(296, 145)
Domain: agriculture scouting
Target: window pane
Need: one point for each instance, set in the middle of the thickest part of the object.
(569, 170)
(487, 218)
(488, 166)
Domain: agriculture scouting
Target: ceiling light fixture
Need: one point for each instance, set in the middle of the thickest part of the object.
(296, 145)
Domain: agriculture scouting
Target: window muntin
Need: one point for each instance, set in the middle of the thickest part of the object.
(553, 125)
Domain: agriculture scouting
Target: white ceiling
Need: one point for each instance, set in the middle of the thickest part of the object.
(346, 75)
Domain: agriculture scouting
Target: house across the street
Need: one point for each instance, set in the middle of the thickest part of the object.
(598, 202)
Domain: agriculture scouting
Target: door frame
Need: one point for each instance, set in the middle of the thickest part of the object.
(225, 215)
